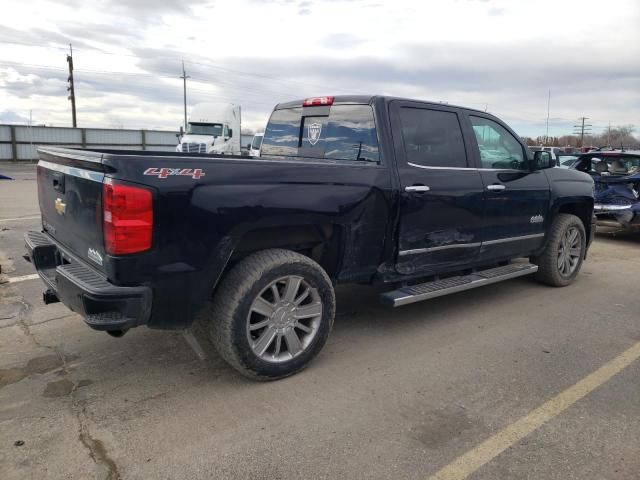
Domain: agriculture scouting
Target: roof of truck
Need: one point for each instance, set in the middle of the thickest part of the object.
(367, 99)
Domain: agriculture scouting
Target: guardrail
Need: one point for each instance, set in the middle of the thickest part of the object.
(20, 142)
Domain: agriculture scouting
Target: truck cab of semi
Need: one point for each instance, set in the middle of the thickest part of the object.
(256, 143)
(212, 128)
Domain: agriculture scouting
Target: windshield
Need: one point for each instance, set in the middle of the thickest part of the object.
(214, 129)
(257, 141)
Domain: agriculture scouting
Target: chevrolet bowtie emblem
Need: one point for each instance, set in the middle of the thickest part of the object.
(61, 207)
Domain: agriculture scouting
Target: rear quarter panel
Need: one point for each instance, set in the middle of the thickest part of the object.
(199, 221)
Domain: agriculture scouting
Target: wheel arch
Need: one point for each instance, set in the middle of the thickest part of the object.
(583, 209)
(320, 242)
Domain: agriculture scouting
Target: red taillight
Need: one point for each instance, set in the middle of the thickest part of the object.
(127, 218)
(318, 101)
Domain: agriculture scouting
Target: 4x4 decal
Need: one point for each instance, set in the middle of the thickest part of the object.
(195, 173)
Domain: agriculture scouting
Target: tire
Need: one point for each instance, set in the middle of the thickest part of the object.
(245, 313)
(556, 266)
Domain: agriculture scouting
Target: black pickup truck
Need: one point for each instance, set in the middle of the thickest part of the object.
(427, 198)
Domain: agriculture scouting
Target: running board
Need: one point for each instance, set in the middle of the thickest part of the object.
(438, 288)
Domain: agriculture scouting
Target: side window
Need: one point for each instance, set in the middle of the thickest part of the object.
(498, 147)
(432, 138)
(282, 133)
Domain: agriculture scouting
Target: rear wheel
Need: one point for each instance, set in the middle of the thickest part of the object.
(562, 258)
(272, 314)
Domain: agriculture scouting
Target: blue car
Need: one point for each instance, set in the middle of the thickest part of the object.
(616, 175)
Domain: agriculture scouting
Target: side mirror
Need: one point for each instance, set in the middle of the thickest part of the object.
(179, 135)
(542, 160)
(230, 133)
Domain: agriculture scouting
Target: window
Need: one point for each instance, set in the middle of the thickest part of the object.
(257, 141)
(498, 148)
(347, 132)
(432, 138)
(214, 129)
(351, 134)
(282, 133)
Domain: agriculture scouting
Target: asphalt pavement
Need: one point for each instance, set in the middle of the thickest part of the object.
(513, 380)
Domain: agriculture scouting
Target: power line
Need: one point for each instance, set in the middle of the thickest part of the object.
(70, 88)
(582, 129)
(202, 64)
(245, 91)
(184, 80)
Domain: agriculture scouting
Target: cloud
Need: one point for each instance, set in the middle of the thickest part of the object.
(341, 40)
(495, 11)
(279, 58)
(7, 116)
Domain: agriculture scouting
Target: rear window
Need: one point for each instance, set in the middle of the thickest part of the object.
(343, 132)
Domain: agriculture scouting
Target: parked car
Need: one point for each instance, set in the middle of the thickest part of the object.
(617, 186)
(428, 199)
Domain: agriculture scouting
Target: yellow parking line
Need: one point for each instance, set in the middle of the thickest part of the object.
(471, 461)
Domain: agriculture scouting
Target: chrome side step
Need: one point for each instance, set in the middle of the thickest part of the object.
(438, 288)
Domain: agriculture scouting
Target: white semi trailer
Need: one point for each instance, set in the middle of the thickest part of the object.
(212, 128)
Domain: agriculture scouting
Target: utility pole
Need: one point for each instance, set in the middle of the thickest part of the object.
(70, 88)
(546, 140)
(184, 83)
(582, 129)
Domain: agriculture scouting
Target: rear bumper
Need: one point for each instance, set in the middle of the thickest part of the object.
(103, 305)
(616, 216)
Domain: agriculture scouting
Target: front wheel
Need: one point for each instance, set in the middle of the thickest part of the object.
(562, 258)
(272, 314)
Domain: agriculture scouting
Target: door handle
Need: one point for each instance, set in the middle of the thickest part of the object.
(496, 187)
(416, 189)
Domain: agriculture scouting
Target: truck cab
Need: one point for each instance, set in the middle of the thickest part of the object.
(256, 143)
(212, 128)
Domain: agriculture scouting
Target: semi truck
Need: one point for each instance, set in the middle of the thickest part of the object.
(212, 128)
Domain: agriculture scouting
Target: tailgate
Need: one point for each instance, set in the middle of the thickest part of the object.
(70, 198)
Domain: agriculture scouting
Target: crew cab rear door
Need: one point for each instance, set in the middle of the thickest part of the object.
(516, 199)
(441, 195)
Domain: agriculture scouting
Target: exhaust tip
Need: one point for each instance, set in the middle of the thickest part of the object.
(49, 296)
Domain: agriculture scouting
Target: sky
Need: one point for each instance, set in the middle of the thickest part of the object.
(503, 56)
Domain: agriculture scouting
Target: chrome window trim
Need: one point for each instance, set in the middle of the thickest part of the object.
(467, 168)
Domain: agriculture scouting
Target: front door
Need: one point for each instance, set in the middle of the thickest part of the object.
(516, 199)
(440, 194)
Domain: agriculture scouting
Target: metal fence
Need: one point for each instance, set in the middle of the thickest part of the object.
(20, 142)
